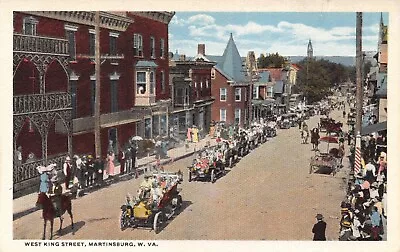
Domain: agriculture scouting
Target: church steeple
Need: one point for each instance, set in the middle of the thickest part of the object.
(310, 52)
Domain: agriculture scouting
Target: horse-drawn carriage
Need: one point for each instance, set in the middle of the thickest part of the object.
(330, 125)
(158, 200)
(209, 165)
(327, 162)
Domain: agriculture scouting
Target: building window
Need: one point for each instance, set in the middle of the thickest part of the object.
(222, 115)
(140, 82)
(114, 92)
(270, 92)
(152, 82)
(201, 84)
(237, 116)
(92, 41)
(138, 45)
(113, 43)
(222, 94)
(238, 94)
(212, 73)
(152, 47)
(207, 84)
(70, 34)
(73, 80)
(93, 93)
(162, 82)
(162, 48)
(255, 92)
(30, 25)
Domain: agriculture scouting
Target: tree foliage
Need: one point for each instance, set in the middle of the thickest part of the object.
(271, 60)
(317, 77)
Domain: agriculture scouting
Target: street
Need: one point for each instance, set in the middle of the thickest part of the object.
(268, 195)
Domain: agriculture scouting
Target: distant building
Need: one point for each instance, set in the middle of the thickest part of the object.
(310, 52)
(231, 87)
(190, 80)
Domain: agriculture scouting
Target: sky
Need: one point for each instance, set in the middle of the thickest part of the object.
(287, 33)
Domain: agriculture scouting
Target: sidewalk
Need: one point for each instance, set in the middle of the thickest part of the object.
(26, 204)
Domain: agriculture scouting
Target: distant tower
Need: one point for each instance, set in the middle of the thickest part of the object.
(309, 49)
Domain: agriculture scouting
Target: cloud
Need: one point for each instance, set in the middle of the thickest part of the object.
(177, 21)
(201, 19)
(286, 38)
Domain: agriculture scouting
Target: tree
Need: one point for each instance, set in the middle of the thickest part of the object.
(271, 60)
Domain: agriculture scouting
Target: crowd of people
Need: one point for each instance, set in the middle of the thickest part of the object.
(365, 207)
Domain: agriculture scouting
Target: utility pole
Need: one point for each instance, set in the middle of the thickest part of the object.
(97, 141)
(359, 82)
(359, 94)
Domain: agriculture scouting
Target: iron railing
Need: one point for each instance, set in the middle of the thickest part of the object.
(39, 44)
(23, 104)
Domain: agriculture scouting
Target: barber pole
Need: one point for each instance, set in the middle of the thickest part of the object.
(357, 161)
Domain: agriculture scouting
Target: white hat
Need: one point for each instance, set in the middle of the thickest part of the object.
(67, 158)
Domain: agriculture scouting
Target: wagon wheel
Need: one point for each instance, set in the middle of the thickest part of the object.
(212, 176)
(190, 176)
(158, 222)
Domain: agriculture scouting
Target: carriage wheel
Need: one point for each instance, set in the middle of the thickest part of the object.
(212, 176)
(158, 221)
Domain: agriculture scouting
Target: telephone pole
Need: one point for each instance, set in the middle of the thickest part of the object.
(97, 141)
(359, 82)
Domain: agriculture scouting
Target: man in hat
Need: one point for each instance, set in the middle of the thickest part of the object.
(67, 171)
(319, 228)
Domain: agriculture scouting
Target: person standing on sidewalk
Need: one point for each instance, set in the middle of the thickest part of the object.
(67, 171)
(121, 160)
(128, 160)
(133, 158)
(110, 163)
(99, 169)
(319, 229)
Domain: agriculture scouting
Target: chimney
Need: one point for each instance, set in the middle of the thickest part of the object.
(201, 49)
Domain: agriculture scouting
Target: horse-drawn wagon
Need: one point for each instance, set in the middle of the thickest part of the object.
(327, 162)
(157, 201)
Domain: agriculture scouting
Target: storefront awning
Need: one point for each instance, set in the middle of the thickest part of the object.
(374, 128)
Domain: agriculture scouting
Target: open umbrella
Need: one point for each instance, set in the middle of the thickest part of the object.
(329, 139)
(137, 138)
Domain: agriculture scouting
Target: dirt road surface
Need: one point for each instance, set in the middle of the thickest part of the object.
(268, 195)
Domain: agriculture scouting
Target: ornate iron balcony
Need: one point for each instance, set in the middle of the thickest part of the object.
(24, 104)
(40, 45)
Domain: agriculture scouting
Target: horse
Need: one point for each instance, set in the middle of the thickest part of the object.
(49, 212)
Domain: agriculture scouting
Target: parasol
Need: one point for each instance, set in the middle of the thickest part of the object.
(329, 139)
(137, 138)
(42, 169)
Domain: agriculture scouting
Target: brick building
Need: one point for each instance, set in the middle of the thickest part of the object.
(191, 83)
(231, 87)
(54, 83)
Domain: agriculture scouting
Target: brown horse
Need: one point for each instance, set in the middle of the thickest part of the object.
(49, 211)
